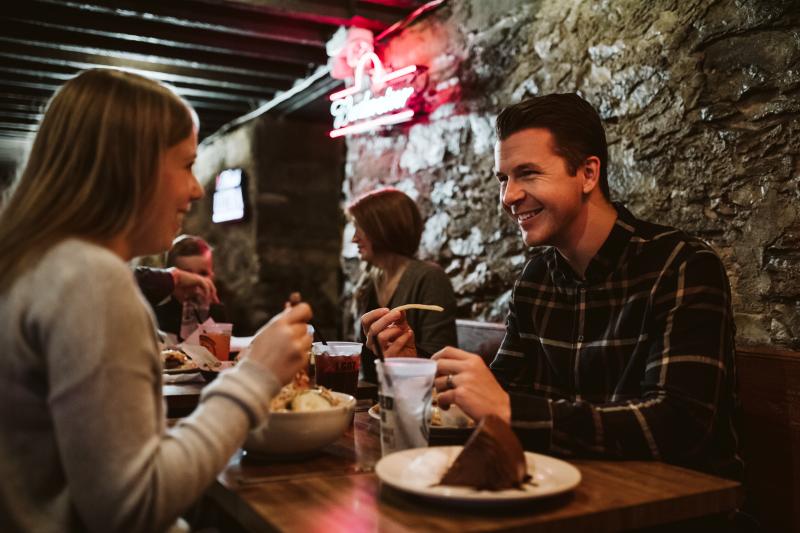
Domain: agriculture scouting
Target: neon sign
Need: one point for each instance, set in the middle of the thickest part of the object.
(377, 100)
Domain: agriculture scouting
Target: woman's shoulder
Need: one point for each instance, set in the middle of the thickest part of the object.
(72, 273)
(421, 268)
(75, 264)
(79, 257)
(427, 273)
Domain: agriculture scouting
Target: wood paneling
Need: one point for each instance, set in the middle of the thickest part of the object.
(769, 391)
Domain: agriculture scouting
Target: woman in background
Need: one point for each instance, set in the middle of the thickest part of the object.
(388, 231)
(83, 439)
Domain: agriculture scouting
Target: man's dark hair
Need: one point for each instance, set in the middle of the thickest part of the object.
(574, 124)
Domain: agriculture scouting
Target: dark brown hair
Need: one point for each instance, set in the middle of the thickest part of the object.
(186, 246)
(574, 124)
(390, 220)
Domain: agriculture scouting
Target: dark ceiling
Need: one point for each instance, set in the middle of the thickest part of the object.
(227, 58)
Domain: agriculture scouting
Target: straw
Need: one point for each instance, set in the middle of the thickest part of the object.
(318, 333)
(379, 350)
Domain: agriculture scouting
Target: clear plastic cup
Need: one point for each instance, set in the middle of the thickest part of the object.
(216, 338)
(406, 389)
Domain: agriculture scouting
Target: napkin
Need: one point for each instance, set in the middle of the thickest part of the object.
(199, 354)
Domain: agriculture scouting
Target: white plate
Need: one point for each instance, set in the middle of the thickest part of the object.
(407, 471)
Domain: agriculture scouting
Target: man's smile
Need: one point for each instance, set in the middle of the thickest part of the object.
(527, 215)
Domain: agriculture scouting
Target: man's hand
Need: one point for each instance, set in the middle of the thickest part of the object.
(391, 330)
(187, 285)
(462, 378)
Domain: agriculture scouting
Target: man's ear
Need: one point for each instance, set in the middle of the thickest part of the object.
(590, 174)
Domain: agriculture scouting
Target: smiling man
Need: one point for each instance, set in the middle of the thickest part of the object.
(620, 336)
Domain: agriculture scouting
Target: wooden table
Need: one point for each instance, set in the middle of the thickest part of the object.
(182, 398)
(337, 490)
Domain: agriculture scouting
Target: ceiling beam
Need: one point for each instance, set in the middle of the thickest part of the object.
(144, 30)
(28, 64)
(26, 32)
(206, 90)
(205, 17)
(18, 117)
(334, 13)
(83, 58)
(50, 81)
(13, 126)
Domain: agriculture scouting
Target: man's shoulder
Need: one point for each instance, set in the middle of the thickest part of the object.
(652, 240)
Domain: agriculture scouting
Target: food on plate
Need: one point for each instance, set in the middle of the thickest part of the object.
(450, 418)
(210, 371)
(453, 417)
(423, 307)
(299, 397)
(217, 366)
(313, 400)
(492, 459)
(175, 359)
(427, 468)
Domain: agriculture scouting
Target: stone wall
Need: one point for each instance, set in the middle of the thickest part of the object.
(290, 241)
(700, 99)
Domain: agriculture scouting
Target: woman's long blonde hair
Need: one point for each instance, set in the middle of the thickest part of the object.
(93, 165)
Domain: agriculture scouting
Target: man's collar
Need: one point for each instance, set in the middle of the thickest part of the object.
(607, 257)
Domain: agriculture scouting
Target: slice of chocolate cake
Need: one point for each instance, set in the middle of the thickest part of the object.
(492, 459)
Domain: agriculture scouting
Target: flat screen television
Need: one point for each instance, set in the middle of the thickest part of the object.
(229, 203)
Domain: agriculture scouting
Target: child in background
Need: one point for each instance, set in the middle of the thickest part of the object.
(191, 254)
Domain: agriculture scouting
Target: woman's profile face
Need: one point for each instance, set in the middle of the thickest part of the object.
(177, 188)
(364, 244)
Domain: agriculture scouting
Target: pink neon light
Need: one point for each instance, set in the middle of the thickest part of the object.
(344, 92)
(399, 73)
(379, 79)
(385, 120)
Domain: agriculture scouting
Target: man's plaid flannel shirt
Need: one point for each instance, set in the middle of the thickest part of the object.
(634, 361)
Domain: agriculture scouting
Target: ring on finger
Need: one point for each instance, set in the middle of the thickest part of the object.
(449, 382)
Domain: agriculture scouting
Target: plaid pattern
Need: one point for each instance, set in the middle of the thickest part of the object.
(634, 361)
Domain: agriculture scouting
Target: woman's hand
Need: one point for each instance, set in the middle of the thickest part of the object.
(462, 378)
(390, 329)
(283, 344)
(187, 285)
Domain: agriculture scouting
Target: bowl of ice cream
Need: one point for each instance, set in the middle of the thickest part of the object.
(311, 420)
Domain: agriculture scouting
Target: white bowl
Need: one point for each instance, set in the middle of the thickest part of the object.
(291, 433)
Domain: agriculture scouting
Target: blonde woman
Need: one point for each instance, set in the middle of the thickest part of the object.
(388, 229)
(83, 443)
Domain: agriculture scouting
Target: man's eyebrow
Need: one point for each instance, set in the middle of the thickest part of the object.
(526, 166)
(520, 168)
